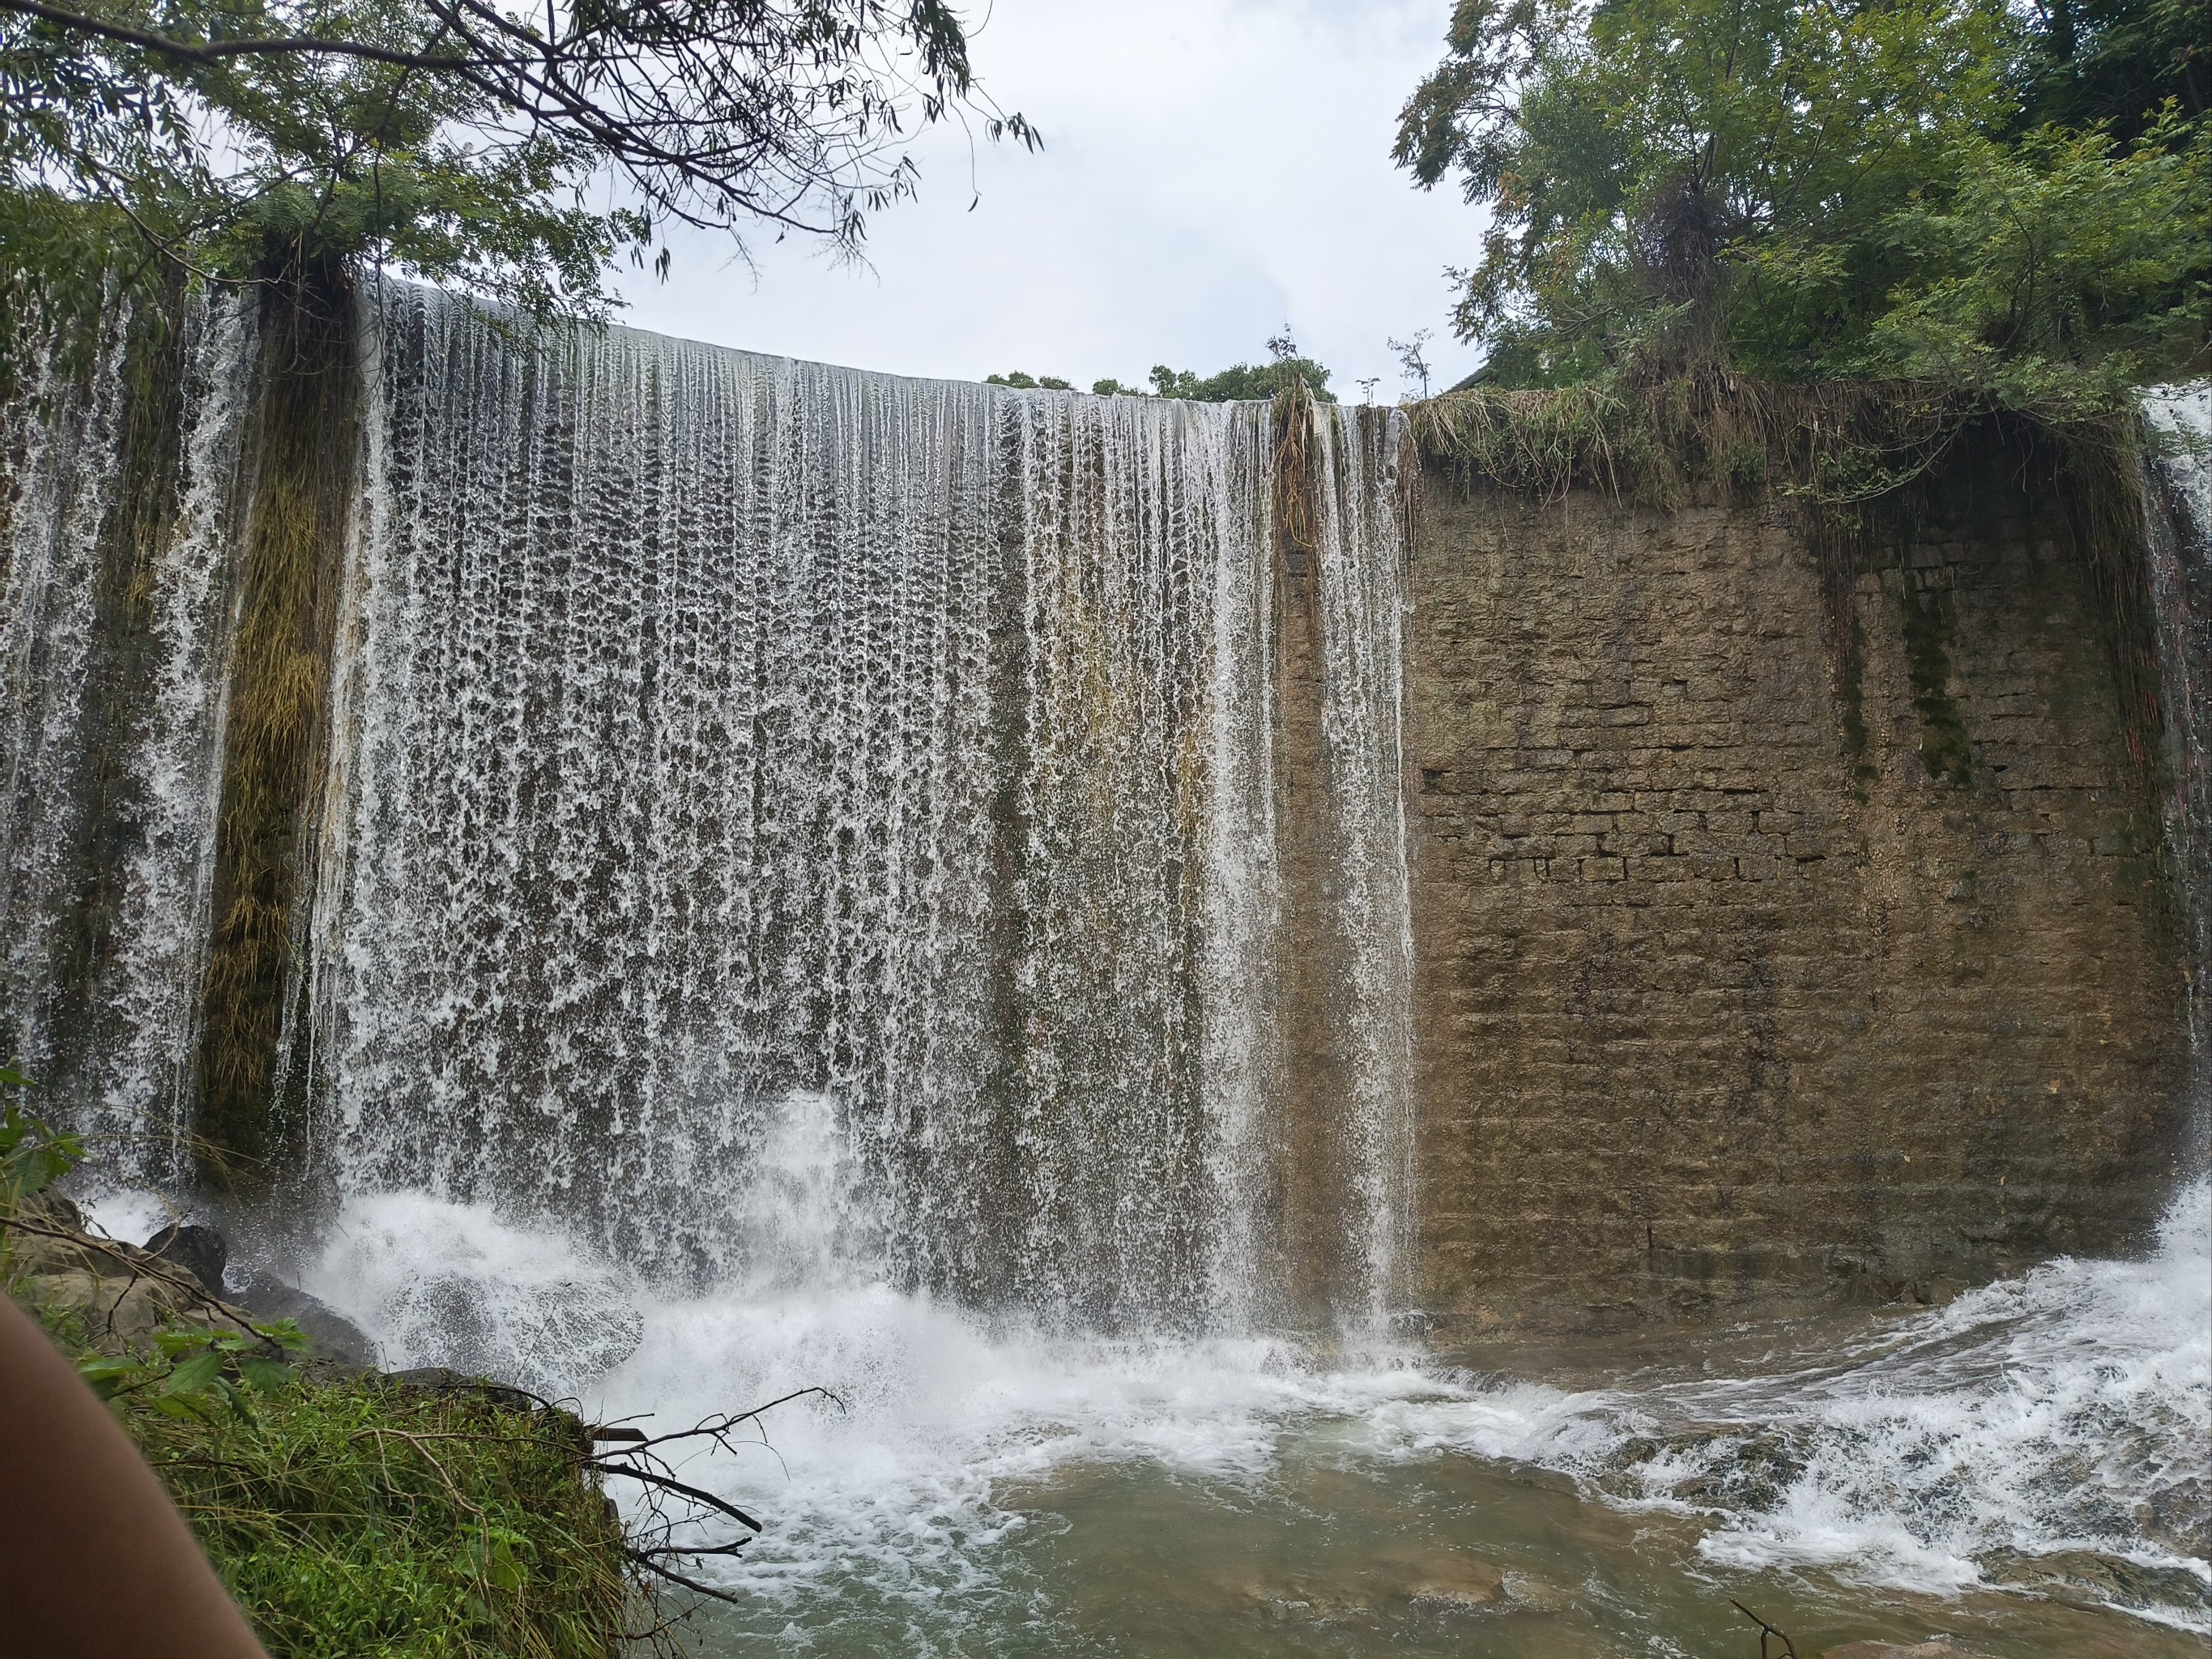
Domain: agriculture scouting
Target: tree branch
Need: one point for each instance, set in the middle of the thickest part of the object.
(216, 51)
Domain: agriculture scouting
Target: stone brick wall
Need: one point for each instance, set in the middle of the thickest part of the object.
(1749, 972)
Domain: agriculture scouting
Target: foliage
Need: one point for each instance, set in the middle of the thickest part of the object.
(198, 1374)
(358, 1519)
(2116, 63)
(1801, 190)
(1412, 359)
(368, 1519)
(1834, 444)
(514, 152)
(1244, 381)
(33, 1155)
(1239, 381)
(2050, 277)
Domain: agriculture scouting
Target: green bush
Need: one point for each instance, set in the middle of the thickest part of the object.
(368, 1519)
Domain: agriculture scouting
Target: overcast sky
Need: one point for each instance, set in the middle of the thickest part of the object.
(1211, 170)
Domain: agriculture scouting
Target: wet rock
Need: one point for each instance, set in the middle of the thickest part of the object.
(199, 1250)
(330, 1335)
(1444, 1579)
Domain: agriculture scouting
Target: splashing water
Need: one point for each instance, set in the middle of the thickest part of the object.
(2044, 1436)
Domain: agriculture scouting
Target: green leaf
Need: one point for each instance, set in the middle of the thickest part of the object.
(196, 1375)
(109, 1374)
(264, 1373)
(286, 1335)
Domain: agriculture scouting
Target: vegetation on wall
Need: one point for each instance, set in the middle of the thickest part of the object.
(274, 736)
(2018, 208)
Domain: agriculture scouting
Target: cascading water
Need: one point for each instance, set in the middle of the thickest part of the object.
(728, 744)
(2178, 531)
(116, 608)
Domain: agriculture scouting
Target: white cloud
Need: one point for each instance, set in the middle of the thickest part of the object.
(1211, 169)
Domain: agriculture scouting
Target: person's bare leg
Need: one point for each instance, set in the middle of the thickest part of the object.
(95, 1560)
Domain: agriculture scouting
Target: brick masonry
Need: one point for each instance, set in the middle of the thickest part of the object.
(1747, 974)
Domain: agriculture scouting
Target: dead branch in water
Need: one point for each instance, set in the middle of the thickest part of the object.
(1766, 1630)
(638, 1456)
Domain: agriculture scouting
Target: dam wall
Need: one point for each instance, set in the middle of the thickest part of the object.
(1154, 865)
(1779, 935)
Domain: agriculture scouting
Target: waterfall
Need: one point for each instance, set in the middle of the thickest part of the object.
(1362, 603)
(2179, 536)
(118, 491)
(733, 754)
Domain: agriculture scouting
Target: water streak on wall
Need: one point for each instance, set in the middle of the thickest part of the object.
(118, 486)
(2179, 535)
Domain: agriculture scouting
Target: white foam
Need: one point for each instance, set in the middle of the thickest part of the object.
(442, 1284)
(132, 1215)
(2064, 1411)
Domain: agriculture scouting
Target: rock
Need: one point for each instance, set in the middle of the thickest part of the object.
(1438, 1577)
(51, 1239)
(120, 1314)
(119, 1293)
(440, 1379)
(330, 1333)
(199, 1250)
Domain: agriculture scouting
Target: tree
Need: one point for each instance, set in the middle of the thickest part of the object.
(1787, 184)
(1242, 382)
(2115, 63)
(1412, 359)
(1238, 382)
(516, 152)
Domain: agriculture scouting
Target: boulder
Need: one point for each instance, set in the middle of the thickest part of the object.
(330, 1335)
(121, 1295)
(201, 1251)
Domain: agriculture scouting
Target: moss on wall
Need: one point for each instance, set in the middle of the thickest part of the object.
(1929, 628)
(303, 453)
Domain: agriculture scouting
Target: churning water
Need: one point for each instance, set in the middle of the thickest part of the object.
(1991, 1469)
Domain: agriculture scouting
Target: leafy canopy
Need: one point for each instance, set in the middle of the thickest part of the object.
(1287, 367)
(516, 152)
(1815, 187)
